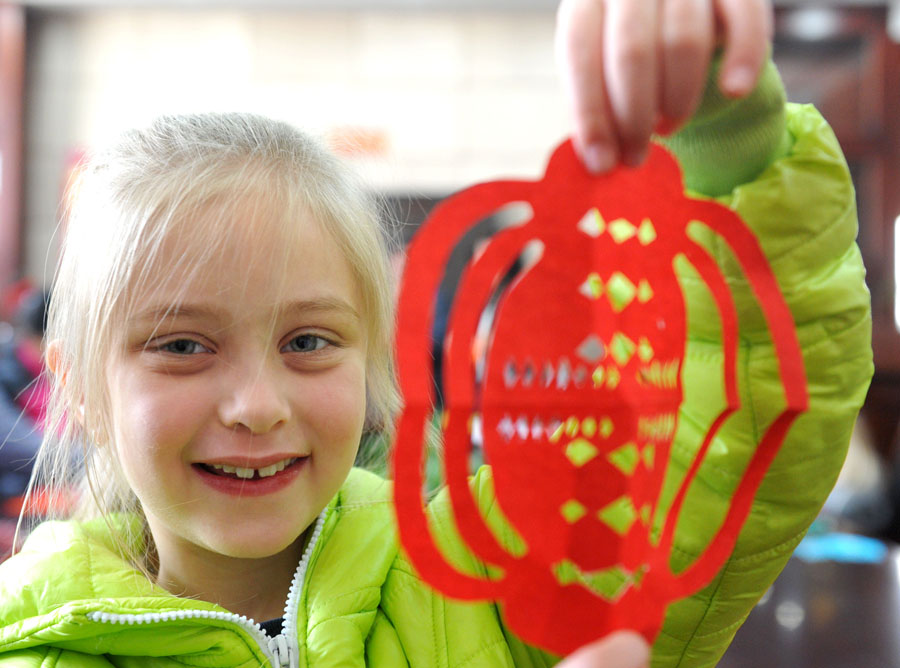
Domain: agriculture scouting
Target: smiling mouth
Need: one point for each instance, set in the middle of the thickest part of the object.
(241, 473)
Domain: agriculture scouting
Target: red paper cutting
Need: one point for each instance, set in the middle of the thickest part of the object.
(580, 393)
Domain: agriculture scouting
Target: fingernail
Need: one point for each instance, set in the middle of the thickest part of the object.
(666, 127)
(598, 158)
(634, 157)
(738, 81)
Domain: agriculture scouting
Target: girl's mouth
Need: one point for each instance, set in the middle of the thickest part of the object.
(241, 481)
(229, 471)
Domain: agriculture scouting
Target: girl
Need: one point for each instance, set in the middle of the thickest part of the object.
(221, 334)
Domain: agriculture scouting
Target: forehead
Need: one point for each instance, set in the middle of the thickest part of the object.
(248, 254)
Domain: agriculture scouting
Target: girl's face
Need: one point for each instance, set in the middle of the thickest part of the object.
(237, 415)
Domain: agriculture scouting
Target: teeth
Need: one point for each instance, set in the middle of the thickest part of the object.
(267, 471)
(247, 474)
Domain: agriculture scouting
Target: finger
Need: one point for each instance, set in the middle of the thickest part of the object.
(747, 26)
(630, 40)
(623, 649)
(579, 41)
(688, 38)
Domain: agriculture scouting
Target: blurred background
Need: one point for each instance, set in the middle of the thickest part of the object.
(425, 97)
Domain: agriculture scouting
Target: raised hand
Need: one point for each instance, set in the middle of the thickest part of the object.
(634, 67)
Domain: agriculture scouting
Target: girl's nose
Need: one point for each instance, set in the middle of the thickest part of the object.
(255, 401)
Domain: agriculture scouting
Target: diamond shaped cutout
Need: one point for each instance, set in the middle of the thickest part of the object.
(610, 583)
(591, 349)
(670, 373)
(580, 452)
(645, 350)
(619, 515)
(567, 572)
(592, 287)
(522, 428)
(555, 431)
(638, 576)
(644, 291)
(592, 224)
(572, 511)
(613, 378)
(510, 374)
(625, 458)
(649, 455)
(598, 376)
(620, 291)
(589, 427)
(646, 233)
(547, 374)
(563, 374)
(621, 348)
(621, 230)
(506, 428)
(528, 374)
(645, 513)
(606, 427)
(579, 375)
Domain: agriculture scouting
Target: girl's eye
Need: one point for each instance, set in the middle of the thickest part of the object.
(306, 343)
(183, 347)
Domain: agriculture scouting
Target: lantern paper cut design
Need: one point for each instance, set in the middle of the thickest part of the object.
(579, 395)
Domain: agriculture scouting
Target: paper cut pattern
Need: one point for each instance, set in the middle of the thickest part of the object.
(580, 394)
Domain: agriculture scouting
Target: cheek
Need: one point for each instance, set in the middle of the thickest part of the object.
(150, 420)
(337, 407)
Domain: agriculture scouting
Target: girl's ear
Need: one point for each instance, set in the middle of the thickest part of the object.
(54, 360)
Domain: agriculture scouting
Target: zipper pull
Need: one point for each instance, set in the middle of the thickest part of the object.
(279, 648)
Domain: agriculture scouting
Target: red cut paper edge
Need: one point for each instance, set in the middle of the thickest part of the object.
(579, 396)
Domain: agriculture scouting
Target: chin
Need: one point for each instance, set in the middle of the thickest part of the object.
(258, 544)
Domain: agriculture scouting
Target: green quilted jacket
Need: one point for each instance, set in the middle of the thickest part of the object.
(68, 599)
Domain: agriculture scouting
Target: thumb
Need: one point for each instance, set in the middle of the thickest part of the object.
(622, 649)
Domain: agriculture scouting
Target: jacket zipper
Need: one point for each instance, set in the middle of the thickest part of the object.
(284, 645)
(282, 651)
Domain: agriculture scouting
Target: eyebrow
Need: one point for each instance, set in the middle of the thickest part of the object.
(319, 305)
(158, 313)
(161, 312)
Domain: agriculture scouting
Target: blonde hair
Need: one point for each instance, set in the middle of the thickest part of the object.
(159, 185)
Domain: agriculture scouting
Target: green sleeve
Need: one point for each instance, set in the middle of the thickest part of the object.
(790, 183)
(728, 142)
(780, 167)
